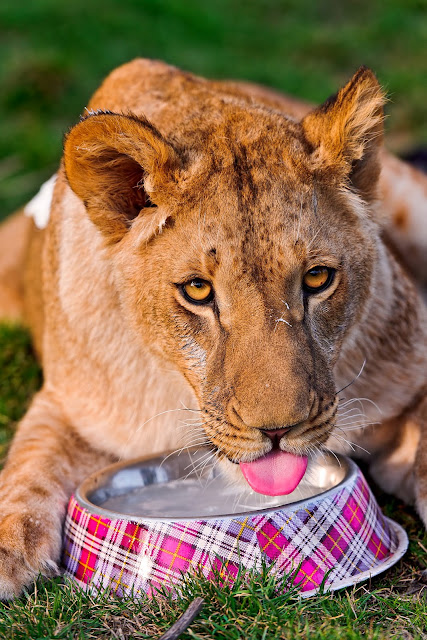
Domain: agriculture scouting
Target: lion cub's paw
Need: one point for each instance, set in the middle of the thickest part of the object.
(29, 545)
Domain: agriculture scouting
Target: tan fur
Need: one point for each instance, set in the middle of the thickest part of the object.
(14, 239)
(249, 199)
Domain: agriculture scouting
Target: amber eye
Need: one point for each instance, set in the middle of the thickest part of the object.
(197, 291)
(318, 279)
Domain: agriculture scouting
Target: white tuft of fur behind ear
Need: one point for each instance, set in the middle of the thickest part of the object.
(38, 207)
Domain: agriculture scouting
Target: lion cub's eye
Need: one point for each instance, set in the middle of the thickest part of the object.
(197, 291)
(318, 279)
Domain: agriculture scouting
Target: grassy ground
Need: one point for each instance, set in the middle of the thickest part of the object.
(250, 610)
(53, 54)
(393, 605)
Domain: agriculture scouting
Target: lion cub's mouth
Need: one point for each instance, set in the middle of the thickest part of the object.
(277, 472)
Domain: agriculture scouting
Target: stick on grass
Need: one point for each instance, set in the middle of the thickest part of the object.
(184, 621)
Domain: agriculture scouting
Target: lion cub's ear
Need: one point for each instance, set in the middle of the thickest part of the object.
(346, 132)
(109, 161)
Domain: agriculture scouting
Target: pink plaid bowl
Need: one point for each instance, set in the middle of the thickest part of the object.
(333, 539)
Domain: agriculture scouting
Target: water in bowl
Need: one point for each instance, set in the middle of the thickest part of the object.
(210, 495)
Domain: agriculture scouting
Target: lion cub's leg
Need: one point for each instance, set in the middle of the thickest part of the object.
(403, 213)
(393, 467)
(400, 467)
(46, 461)
(421, 462)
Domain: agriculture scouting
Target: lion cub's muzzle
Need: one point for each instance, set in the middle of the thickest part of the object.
(273, 461)
(240, 441)
(308, 433)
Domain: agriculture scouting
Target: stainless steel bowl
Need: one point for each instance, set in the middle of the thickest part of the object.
(171, 487)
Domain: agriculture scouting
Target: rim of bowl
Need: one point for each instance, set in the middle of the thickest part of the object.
(97, 479)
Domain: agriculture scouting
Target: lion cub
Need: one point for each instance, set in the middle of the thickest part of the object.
(218, 247)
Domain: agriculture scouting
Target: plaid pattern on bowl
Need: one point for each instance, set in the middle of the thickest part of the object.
(330, 540)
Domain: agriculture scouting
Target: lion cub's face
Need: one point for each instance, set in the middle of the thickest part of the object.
(244, 254)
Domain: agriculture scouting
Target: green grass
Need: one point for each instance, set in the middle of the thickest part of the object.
(393, 605)
(54, 53)
(252, 609)
(20, 377)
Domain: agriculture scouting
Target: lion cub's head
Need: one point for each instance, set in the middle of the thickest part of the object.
(243, 247)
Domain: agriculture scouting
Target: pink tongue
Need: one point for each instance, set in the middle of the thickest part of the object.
(275, 474)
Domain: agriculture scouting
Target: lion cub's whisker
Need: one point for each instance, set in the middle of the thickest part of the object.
(360, 402)
(354, 379)
(355, 411)
(351, 413)
(194, 427)
(200, 461)
(177, 452)
(350, 444)
(190, 435)
(195, 443)
(357, 427)
(199, 468)
(374, 404)
(188, 409)
(333, 453)
(161, 413)
(352, 423)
